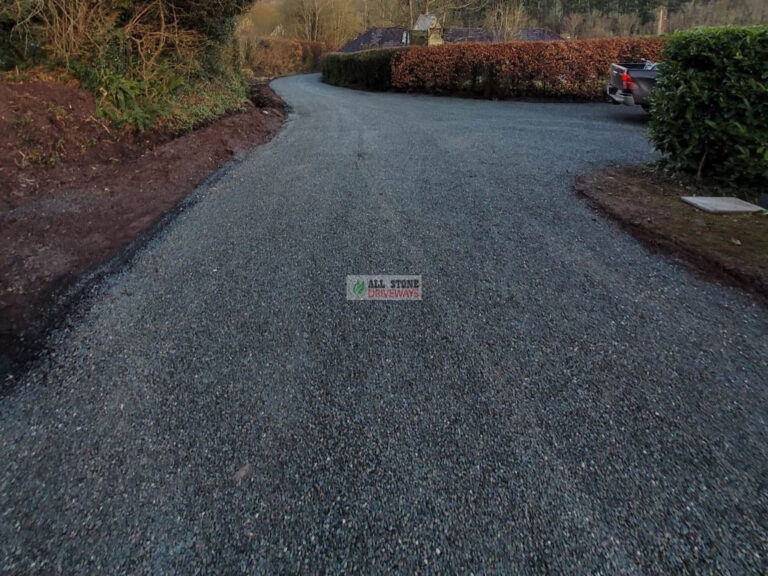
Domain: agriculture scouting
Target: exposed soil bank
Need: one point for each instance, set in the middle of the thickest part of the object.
(73, 193)
(729, 248)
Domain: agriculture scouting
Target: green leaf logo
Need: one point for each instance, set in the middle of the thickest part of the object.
(359, 288)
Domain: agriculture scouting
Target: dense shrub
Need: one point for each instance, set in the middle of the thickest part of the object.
(280, 57)
(11, 47)
(212, 18)
(143, 60)
(371, 69)
(710, 105)
(574, 69)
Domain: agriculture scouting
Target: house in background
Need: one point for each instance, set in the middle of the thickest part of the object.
(469, 36)
(535, 35)
(425, 33)
(378, 38)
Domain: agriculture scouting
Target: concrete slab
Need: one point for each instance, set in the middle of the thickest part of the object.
(720, 204)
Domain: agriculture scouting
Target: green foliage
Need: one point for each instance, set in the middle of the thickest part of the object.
(121, 99)
(142, 60)
(128, 103)
(371, 69)
(710, 104)
(200, 103)
(168, 102)
(212, 18)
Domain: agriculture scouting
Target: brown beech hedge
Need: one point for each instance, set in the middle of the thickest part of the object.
(575, 69)
(281, 56)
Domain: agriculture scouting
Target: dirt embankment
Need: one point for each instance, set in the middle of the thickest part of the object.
(74, 192)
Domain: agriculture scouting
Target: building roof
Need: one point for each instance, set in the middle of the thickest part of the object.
(391, 37)
(376, 38)
(535, 35)
(464, 35)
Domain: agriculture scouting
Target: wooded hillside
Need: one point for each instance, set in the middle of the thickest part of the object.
(336, 21)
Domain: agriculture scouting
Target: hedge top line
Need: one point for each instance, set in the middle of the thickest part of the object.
(467, 46)
(698, 30)
(574, 69)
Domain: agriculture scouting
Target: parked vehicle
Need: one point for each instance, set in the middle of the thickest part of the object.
(632, 83)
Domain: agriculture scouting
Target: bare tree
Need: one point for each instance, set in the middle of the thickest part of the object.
(331, 21)
(505, 18)
(455, 12)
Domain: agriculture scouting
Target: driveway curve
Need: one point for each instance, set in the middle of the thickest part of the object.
(562, 400)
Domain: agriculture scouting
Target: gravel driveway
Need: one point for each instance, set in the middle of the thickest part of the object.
(562, 400)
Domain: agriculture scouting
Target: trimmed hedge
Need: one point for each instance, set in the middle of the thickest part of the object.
(371, 69)
(575, 69)
(710, 104)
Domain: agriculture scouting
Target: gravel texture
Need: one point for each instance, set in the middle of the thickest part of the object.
(561, 401)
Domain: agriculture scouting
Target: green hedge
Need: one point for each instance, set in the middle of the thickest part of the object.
(370, 69)
(710, 105)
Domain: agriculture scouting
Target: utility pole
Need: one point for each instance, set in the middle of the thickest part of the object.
(662, 20)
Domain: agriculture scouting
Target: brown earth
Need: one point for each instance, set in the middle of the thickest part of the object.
(728, 248)
(73, 192)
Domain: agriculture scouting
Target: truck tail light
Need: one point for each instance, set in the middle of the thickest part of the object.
(628, 82)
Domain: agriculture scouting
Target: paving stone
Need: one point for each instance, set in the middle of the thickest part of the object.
(720, 204)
